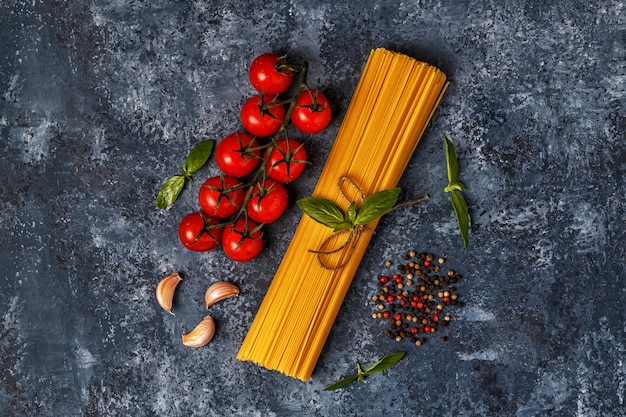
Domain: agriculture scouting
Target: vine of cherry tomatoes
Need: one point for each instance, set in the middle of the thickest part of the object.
(256, 162)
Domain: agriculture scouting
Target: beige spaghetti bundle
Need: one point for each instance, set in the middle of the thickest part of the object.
(390, 109)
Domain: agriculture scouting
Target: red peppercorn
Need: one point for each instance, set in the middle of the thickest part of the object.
(427, 329)
(390, 298)
(386, 314)
(420, 305)
(397, 316)
(446, 299)
(435, 318)
(397, 278)
(384, 279)
(414, 330)
(426, 262)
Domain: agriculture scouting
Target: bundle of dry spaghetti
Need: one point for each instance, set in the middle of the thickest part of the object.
(390, 109)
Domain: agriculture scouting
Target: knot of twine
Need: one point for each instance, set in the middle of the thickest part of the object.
(354, 233)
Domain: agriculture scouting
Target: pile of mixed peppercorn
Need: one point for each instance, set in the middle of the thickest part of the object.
(414, 299)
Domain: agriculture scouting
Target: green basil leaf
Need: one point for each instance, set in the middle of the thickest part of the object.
(351, 213)
(385, 363)
(169, 191)
(376, 205)
(455, 185)
(322, 211)
(451, 162)
(462, 215)
(198, 156)
(342, 383)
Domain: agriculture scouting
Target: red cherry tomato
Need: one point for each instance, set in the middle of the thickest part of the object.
(217, 197)
(195, 233)
(268, 202)
(286, 160)
(237, 155)
(270, 74)
(242, 241)
(312, 112)
(262, 116)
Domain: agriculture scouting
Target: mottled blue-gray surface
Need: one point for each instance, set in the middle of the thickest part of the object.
(100, 101)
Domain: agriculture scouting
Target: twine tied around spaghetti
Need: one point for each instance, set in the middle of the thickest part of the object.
(353, 221)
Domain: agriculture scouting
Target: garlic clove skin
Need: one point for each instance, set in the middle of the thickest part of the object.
(165, 291)
(220, 291)
(201, 334)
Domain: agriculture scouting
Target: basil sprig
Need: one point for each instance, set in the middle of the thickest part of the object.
(455, 188)
(383, 364)
(328, 213)
(172, 187)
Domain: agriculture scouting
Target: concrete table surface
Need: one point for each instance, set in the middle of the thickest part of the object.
(101, 100)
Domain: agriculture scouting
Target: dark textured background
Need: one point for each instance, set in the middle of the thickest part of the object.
(101, 100)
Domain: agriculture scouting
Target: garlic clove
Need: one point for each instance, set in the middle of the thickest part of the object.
(219, 291)
(201, 334)
(165, 291)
